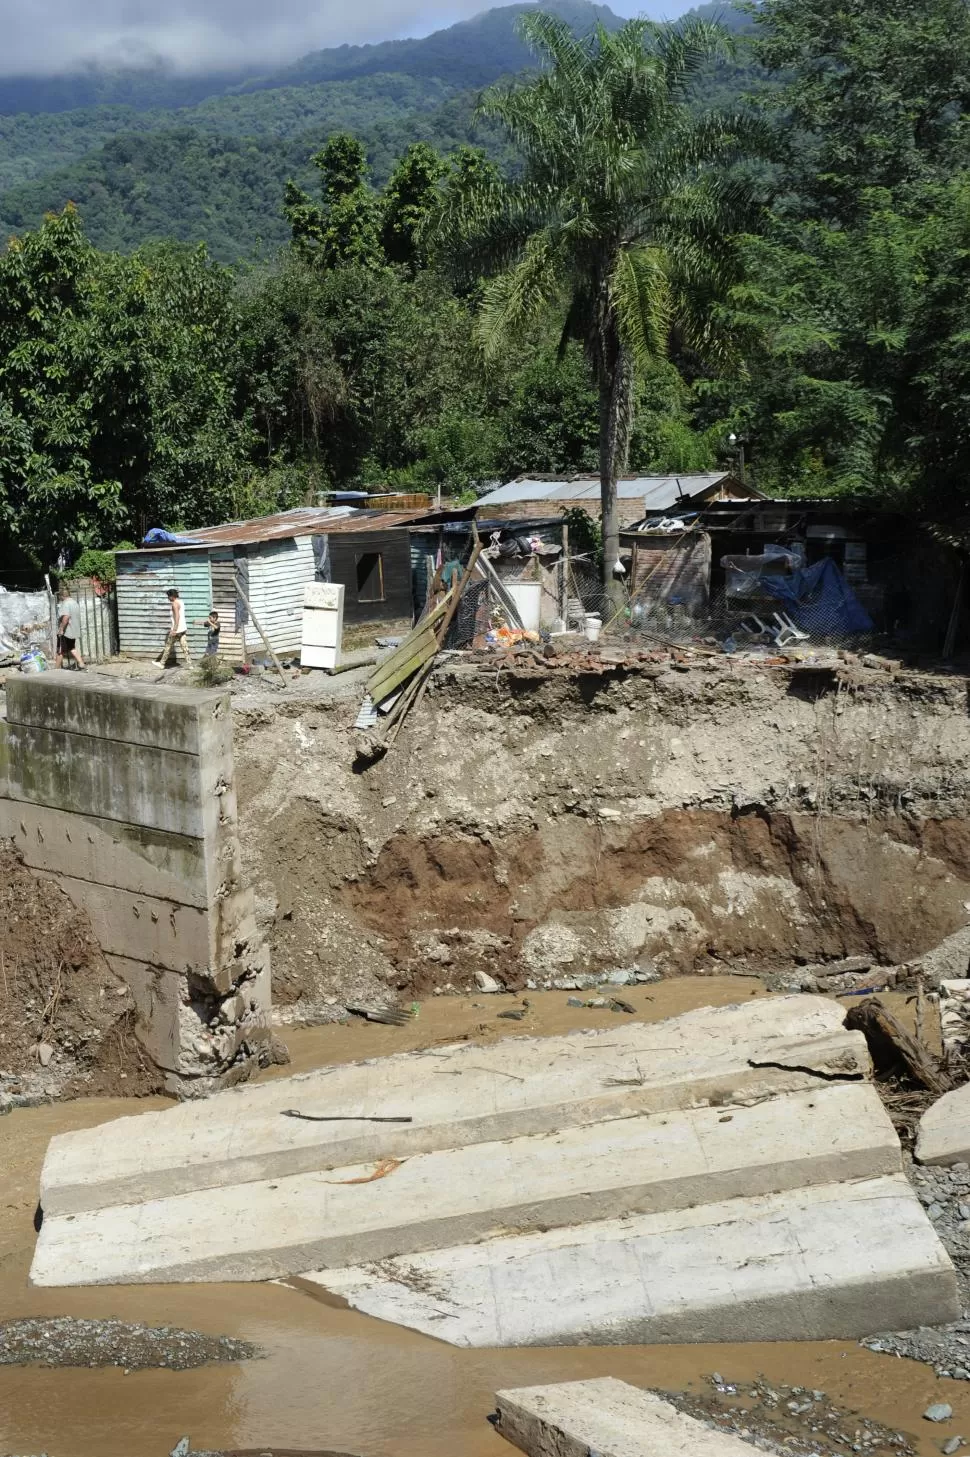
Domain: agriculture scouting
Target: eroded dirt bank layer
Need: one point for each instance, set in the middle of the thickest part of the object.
(535, 827)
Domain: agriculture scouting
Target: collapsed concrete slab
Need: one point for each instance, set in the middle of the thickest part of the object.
(608, 1417)
(831, 1262)
(944, 1130)
(625, 1166)
(455, 1097)
(125, 794)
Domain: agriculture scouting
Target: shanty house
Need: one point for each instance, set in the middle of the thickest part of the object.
(636, 495)
(266, 562)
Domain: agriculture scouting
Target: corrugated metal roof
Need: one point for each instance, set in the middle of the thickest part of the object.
(655, 491)
(302, 521)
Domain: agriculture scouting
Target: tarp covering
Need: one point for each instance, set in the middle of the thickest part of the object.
(24, 623)
(158, 536)
(819, 599)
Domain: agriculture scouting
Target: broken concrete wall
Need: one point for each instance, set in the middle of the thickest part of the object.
(125, 794)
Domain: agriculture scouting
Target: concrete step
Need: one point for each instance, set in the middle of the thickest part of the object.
(663, 1161)
(608, 1417)
(455, 1096)
(837, 1261)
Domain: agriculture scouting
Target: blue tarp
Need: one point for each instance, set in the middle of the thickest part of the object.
(158, 536)
(819, 599)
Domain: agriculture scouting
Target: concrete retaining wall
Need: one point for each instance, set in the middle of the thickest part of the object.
(124, 793)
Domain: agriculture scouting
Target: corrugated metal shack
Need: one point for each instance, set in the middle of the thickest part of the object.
(272, 559)
(542, 495)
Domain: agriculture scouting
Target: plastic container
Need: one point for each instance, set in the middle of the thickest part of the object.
(593, 626)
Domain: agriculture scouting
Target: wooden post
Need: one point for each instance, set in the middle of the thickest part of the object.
(266, 642)
(564, 566)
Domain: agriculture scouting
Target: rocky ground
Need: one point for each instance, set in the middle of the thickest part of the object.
(945, 1194)
(789, 1420)
(61, 1341)
(539, 828)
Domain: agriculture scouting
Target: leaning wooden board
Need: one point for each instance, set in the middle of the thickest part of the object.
(419, 645)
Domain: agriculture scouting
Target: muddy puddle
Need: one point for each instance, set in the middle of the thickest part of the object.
(333, 1378)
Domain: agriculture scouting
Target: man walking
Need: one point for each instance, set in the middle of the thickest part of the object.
(177, 633)
(68, 630)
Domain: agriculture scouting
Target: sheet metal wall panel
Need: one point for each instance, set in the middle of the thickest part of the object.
(193, 578)
(143, 611)
(143, 614)
(278, 572)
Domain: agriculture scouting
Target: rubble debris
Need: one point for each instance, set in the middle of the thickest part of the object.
(389, 1016)
(955, 1015)
(184, 1449)
(64, 1341)
(398, 683)
(793, 1420)
(945, 1195)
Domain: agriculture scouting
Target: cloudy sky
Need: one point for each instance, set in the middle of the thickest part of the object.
(44, 36)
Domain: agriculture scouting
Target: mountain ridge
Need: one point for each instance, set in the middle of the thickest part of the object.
(214, 170)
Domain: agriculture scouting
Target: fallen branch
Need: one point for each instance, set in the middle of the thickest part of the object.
(894, 1051)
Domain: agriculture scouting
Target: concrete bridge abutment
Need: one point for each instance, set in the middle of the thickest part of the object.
(124, 793)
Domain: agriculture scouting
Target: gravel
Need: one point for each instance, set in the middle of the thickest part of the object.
(944, 1194)
(793, 1420)
(61, 1341)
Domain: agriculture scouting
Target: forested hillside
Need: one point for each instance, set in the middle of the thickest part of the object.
(795, 273)
(146, 163)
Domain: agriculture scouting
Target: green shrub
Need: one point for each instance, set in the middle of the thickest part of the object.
(94, 562)
(212, 672)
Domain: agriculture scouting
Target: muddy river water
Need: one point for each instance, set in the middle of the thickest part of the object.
(333, 1378)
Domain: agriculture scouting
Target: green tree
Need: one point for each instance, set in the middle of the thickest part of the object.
(874, 94)
(622, 217)
(53, 495)
(344, 227)
(408, 202)
(118, 390)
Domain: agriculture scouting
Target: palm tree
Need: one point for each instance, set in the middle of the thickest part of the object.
(622, 217)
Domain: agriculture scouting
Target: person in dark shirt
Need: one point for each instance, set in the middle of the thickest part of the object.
(212, 627)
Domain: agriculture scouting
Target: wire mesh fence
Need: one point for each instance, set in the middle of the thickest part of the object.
(679, 591)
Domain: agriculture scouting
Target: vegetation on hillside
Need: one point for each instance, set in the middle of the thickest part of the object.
(209, 166)
(826, 321)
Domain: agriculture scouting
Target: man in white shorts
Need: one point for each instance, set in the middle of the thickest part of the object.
(177, 633)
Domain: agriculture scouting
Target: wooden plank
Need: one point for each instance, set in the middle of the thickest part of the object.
(266, 642)
(406, 647)
(398, 668)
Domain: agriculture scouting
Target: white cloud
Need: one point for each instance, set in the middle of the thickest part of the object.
(41, 37)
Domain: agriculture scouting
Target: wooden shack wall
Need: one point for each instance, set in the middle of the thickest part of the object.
(394, 547)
